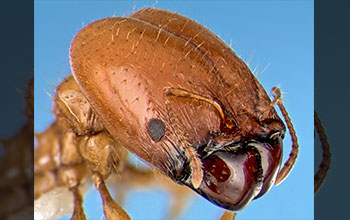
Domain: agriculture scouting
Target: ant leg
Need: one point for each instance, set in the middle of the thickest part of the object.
(111, 209)
(144, 178)
(228, 216)
(78, 213)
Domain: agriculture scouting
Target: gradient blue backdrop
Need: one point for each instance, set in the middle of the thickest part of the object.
(277, 34)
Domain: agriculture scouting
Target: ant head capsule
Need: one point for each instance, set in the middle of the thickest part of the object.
(174, 94)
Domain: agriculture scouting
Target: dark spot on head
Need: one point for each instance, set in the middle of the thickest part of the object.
(156, 129)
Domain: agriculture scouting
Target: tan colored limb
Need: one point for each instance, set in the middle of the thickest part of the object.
(78, 213)
(148, 179)
(228, 216)
(289, 164)
(111, 209)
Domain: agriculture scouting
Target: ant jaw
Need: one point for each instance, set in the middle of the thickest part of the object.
(235, 173)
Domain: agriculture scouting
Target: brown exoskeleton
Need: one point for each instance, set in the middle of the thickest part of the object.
(170, 91)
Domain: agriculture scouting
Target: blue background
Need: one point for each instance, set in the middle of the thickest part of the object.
(273, 34)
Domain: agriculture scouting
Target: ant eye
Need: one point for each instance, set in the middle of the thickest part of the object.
(156, 129)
